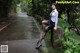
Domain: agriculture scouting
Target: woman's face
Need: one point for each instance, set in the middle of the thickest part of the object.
(53, 7)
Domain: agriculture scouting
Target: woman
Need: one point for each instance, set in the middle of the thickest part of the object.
(49, 25)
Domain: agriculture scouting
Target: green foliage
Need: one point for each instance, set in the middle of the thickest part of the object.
(67, 51)
(63, 24)
(71, 46)
(70, 40)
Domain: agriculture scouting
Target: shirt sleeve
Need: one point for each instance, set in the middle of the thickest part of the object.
(56, 19)
(53, 14)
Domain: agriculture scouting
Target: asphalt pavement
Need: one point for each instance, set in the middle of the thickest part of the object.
(21, 35)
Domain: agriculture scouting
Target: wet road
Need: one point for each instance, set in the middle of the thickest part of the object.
(22, 27)
(21, 35)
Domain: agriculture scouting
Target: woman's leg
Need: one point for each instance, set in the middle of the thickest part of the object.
(52, 37)
(42, 36)
(42, 33)
(52, 34)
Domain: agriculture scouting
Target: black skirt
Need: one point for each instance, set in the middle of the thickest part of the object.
(51, 24)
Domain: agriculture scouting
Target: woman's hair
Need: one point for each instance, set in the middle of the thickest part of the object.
(54, 4)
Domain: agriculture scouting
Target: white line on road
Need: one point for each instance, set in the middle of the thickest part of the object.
(4, 27)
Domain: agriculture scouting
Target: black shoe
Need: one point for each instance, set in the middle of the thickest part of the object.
(38, 47)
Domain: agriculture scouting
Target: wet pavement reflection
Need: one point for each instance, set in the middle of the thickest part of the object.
(22, 27)
(21, 34)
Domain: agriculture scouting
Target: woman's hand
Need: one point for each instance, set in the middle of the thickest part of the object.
(55, 28)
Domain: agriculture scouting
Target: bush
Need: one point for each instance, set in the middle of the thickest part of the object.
(70, 40)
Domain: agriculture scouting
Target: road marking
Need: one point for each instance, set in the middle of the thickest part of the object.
(4, 27)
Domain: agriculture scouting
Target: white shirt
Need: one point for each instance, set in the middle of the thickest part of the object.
(54, 16)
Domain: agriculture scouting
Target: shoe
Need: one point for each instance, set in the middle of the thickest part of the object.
(38, 47)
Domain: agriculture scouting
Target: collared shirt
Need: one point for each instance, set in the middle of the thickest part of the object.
(54, 16)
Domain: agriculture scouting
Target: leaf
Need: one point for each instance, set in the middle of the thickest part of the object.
(67, 51)
(67, 30)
